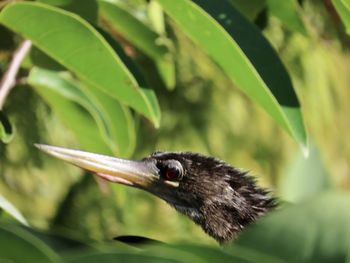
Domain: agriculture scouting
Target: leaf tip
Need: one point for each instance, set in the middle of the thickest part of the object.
(306, 150)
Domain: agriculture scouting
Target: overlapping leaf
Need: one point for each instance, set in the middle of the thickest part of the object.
(316, 230)
(141, 36)
(75, 44)
(113, 120)
(55, 91)
(17, 245)
(132, 29)
(249, 8)
(305, 177)
(287, 12)
(244, 55)
(343, 9)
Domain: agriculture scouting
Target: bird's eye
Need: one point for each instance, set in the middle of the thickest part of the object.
(173, 173)
(171, 170)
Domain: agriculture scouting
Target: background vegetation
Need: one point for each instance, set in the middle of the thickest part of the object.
(127, 78)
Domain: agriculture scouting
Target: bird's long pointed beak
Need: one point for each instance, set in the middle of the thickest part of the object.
(136, 173)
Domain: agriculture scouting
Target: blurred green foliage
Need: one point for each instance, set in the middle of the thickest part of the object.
(204, 112)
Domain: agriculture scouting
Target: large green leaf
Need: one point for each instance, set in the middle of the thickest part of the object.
(165, 253)
(316, 230)
(343, 9)
(120, 257)
(88, 10)
(305, 177)
(12, 210)
(215, 254)
(79, 47)
(118, 119)
(70, 105)
(114, 121)
(346, 3)
(18, 245)
(244, 55)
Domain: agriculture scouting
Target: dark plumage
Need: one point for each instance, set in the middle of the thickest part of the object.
(220, 198)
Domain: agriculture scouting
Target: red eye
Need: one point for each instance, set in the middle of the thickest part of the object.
(172, 174)
(170, 170)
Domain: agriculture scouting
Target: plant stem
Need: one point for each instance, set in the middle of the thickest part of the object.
(8, 80)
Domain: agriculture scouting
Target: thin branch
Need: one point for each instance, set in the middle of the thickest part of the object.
(8, 80)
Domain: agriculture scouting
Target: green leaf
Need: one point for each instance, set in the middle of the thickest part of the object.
(343, 9)
(88, 10)
(6, 129)
(249, 8)
(76, 45)
(346, 3)
(215, 254)
(165, 65)
(18, 245)
(62, 242)
(40, 59)
(305, 177)
(156, 16)
(118, 119)
(244, 55)
(120, 257)
(12, 210)
(114, 120)
(141, 36)
(166, 69)
(287, 12)
(317, 230)
(66, 101)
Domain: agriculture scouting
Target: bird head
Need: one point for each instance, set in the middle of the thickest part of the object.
(220, 198)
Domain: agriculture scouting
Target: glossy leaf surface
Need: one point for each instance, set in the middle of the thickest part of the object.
(76, 45)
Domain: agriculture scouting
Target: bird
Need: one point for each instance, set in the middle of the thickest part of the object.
(222, 199)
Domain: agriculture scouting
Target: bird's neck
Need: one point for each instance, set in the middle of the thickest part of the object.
(224, 220)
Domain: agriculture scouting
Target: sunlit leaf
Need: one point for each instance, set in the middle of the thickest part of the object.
(165, 65)
(343, 9)
(12, 210)
(115, 121)
(18, 245)
(118, 119)
(66, 101)
(316, 230)
(346, 3)
(79, 47)
(132, 29)
(287, 12)
(156, 17)
(245, 56)
(142, 37)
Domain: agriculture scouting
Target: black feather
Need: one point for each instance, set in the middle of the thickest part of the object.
(219, 197)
